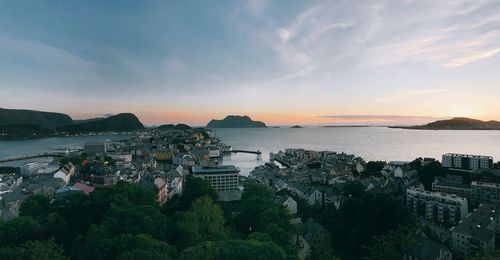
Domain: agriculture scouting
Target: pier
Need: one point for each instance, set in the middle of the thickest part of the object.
(30, 157)
(246, 151)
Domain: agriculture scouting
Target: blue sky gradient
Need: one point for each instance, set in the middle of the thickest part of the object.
(283, 62)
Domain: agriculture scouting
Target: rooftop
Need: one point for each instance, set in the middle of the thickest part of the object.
(216, 169)
(476, 223)
(468, 155)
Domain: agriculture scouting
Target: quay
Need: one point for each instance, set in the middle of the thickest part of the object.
(31, 157)
(246, 151)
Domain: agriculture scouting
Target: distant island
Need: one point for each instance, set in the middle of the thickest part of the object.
(235, 122)
(296, 126)
(328, 126)
(457, 123)
(28, 124)
(172, 126)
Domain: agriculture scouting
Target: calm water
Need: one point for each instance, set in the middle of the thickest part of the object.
(371, 143)
(18, 148)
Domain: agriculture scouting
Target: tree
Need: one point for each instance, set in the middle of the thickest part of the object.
(146, 247)
(427, 173)
(209, 218)
(374, 167)
(195, 188)
(203, 222)
(34, 250)
(396, 244)
(359, 219)
(256, 199)
(354, 189)
(35, 206)
(20, 230)
(142, 219)
(234, 249)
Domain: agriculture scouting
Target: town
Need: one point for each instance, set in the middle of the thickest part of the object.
(449, 209)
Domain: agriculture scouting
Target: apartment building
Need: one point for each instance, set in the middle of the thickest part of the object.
(437, 206)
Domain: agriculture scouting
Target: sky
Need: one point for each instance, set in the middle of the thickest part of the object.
(282, 62)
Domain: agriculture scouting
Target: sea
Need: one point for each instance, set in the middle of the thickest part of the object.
(370, 143)
(20, 148)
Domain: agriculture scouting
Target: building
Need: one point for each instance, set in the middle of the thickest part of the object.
(431, 250)
(126, 158)
(65, 172)
(318, 237)
(452, 187)
(467, 162)
(222, 178)
(95, 148)
(475, 234)
(213, 151)
(485, 192)
(437, 206)
(287, 202)
(29, 169)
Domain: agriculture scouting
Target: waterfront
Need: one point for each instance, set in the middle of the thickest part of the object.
(16, 148)
(370, 143)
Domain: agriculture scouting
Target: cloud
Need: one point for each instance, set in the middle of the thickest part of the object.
(44, 53)
(409, 95)
(379, 33)
(256, 6)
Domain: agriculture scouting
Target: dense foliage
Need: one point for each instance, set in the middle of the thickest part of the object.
(362, 218)
(125, 222)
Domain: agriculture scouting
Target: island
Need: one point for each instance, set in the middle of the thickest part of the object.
(233, 121)
(296, 126)
(457, 123)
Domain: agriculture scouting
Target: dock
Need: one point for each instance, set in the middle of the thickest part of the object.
(246, 151)
(30, 157)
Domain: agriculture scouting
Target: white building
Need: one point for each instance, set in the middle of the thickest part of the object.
(222, 178)
(467, 162)
(65, 172)
(437, 206)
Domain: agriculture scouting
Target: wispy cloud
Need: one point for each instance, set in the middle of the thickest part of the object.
(408, 95)
(373, 34)
(43, 53)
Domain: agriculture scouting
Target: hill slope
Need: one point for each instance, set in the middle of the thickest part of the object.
(459, 123)
(235, 122)
(121, 122)
(22, 131)
(48, 120)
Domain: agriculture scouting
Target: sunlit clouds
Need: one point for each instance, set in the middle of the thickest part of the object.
(284, 63)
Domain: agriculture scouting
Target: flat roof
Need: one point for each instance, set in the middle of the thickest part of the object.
(476, 223)
(216, 169)
(469, 155)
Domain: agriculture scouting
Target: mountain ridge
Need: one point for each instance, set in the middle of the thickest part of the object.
(457, 123)
(49, 120)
